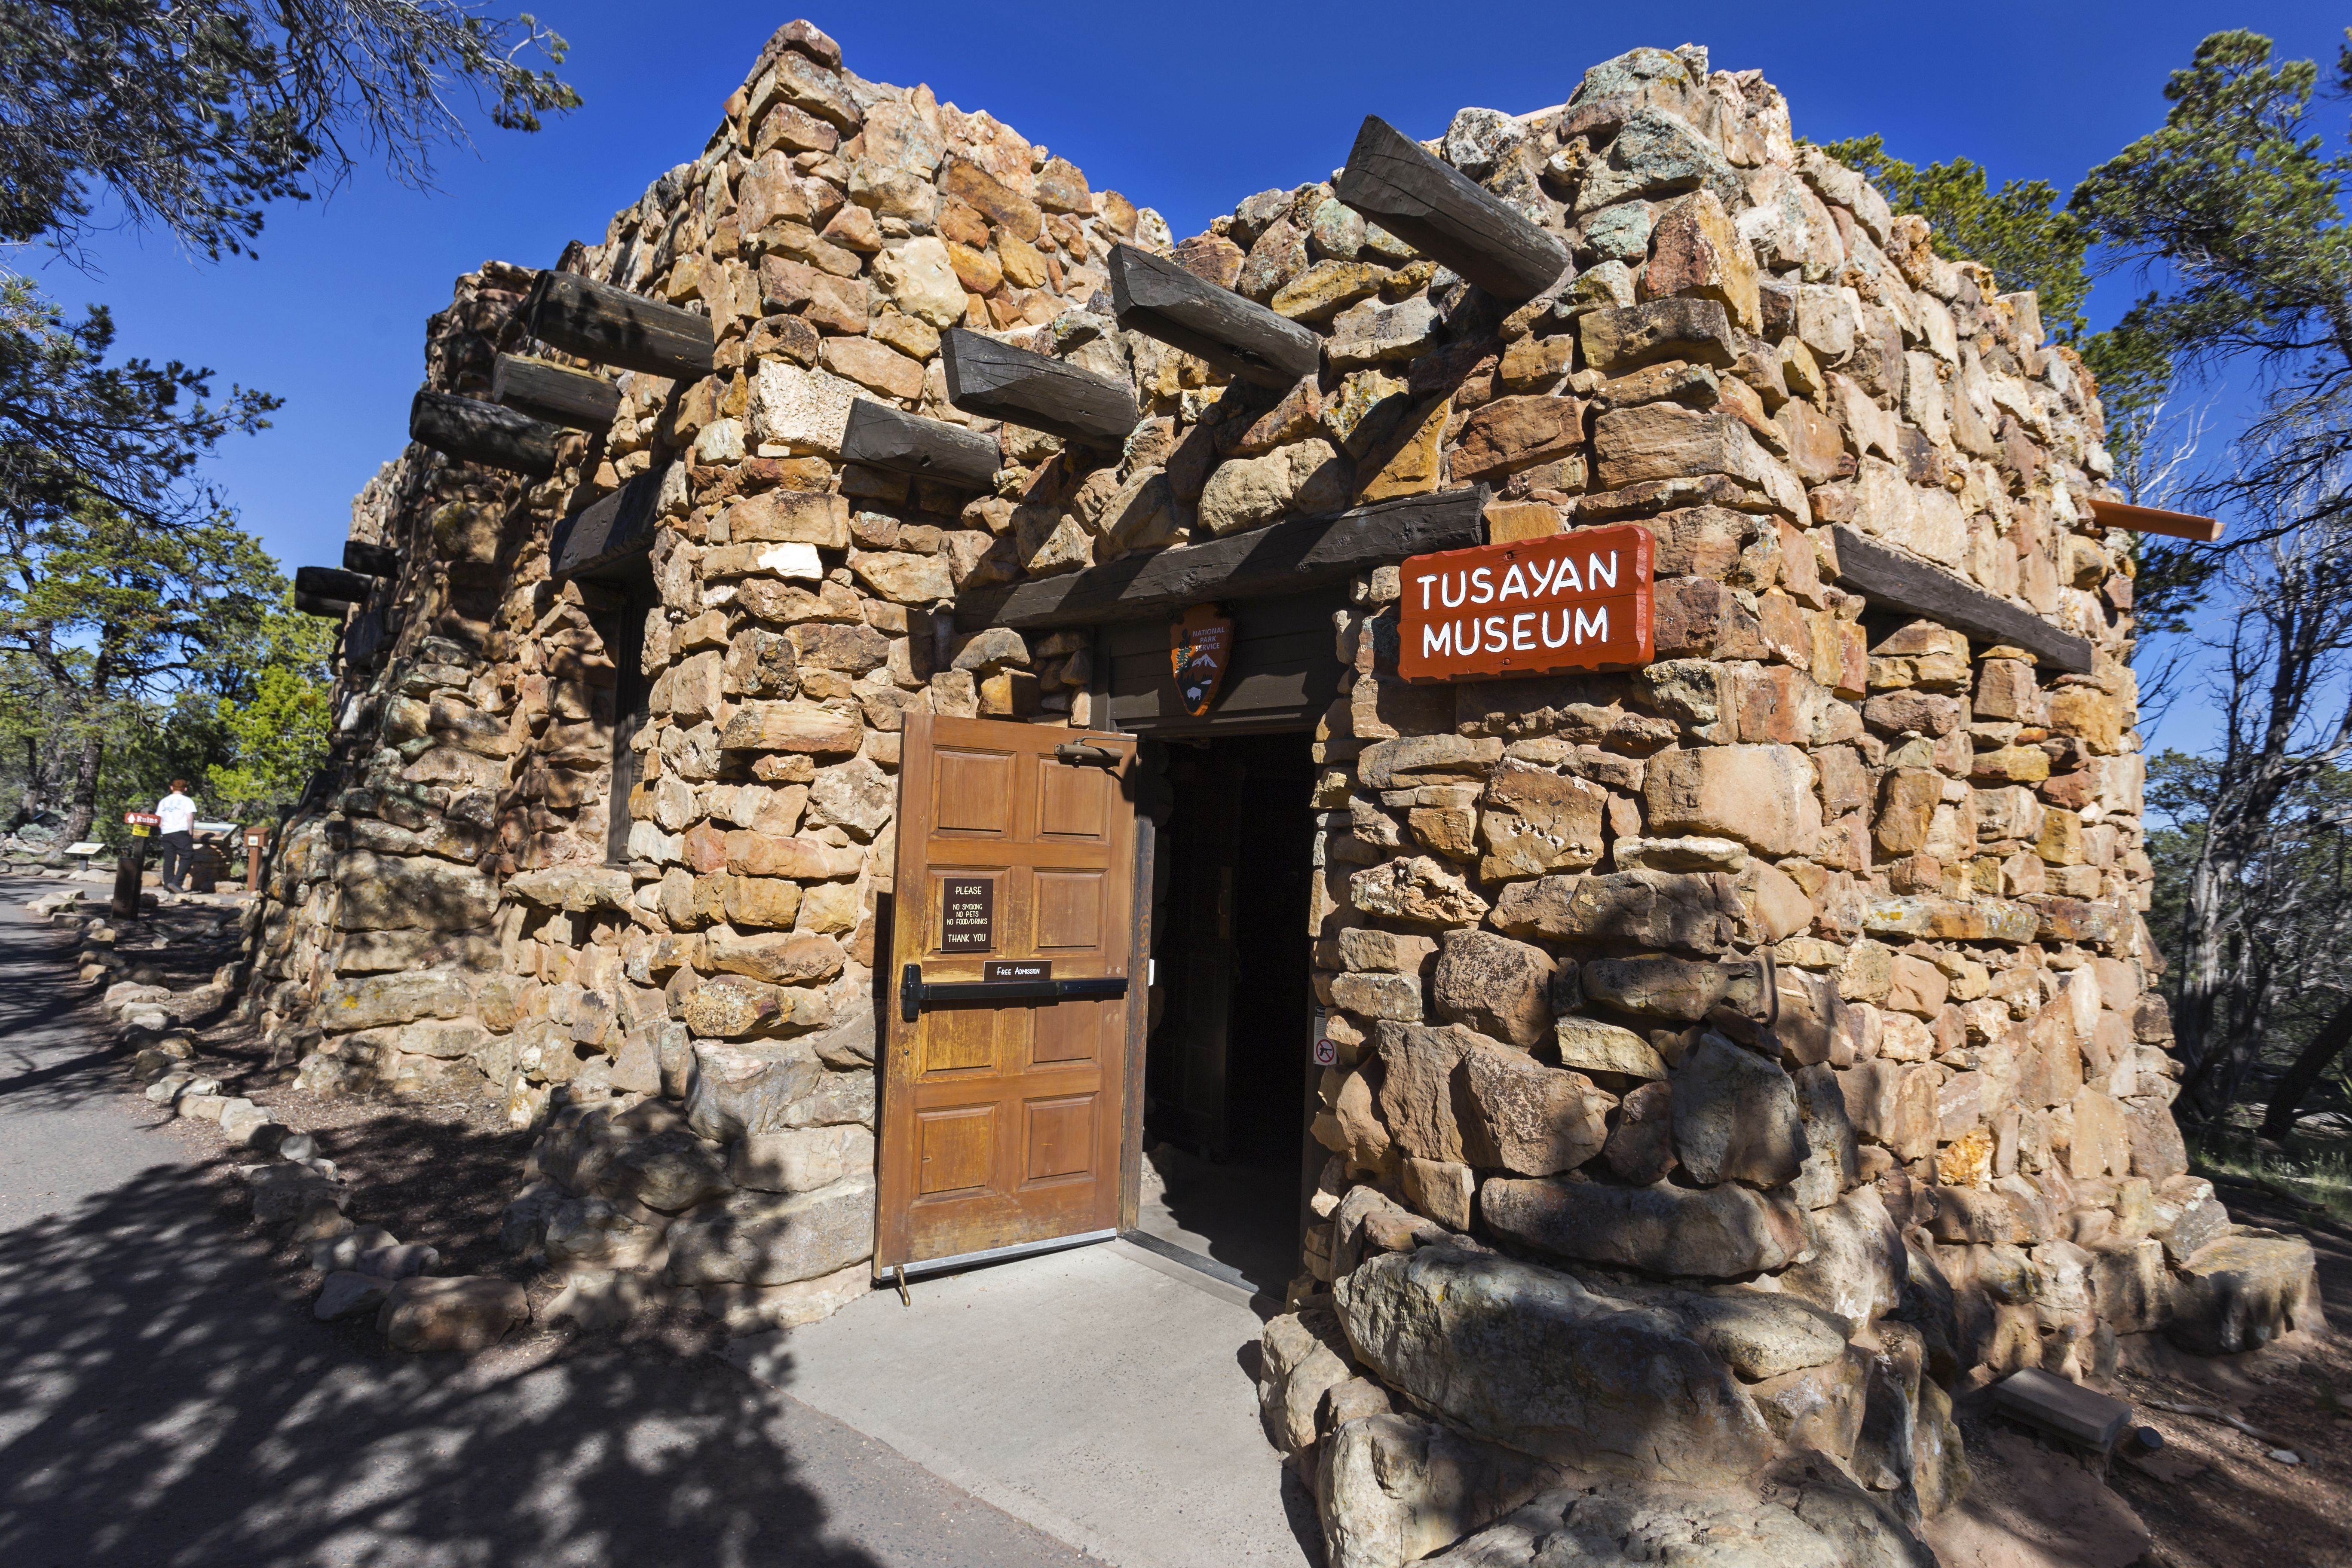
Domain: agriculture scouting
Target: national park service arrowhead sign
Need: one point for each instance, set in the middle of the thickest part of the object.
(1533, 606)
(1200, 647)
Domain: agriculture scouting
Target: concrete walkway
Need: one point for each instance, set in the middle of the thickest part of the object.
(1095, 1394)
(167, 1402)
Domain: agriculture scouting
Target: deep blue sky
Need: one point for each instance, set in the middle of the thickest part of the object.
(1187, 109)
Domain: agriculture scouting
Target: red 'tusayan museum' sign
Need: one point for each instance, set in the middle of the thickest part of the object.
(1533, 606)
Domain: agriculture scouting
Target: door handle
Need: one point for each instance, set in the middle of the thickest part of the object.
(1085, 755)
(915, 993)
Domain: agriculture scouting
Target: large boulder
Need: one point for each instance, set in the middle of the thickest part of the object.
(1395, 1488)
(1703, 1233)
(422, 1315)
(1858, 1265)
(1814, 1516)
(2242, 1291)
(1761, 795)
(1527, 1357)
(758, 1239)
(1452, 1094)
(1494, 986)
(736, 1089)
(1697, 910)
(1735, 1116)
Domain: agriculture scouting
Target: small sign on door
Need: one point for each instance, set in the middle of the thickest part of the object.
(968, 914)
(1326, 1052)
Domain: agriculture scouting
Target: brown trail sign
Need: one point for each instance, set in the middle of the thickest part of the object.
(1533, 606)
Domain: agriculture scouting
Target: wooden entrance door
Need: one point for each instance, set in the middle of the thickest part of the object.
(1002, 1120)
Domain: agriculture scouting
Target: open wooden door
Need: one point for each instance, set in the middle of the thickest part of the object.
(1004, 1087)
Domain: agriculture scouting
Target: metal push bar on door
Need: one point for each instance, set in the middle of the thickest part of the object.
(915, 993)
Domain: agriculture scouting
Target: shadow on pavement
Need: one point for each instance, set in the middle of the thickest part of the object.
(159, 1408)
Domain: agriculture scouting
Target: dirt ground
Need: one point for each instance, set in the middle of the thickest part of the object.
(441, 1170)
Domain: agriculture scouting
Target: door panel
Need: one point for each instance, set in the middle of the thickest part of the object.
(1000, 1122)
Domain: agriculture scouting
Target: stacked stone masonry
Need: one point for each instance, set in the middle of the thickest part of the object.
(1736, 1055)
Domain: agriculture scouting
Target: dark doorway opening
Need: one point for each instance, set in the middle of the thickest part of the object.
(1228, 1059)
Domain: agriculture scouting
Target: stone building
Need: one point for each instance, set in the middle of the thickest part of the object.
(1700, 1066)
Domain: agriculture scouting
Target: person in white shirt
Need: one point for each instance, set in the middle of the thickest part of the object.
(178, 831)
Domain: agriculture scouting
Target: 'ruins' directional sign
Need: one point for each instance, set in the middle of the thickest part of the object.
(1533, 606)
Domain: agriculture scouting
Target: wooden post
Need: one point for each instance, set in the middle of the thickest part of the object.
(1397, 183)
(556, 393)
(998, 381)
(1159, 299)
(612, 326)
(255, 838)
(131, 866)
(882, 437)
(473, 431)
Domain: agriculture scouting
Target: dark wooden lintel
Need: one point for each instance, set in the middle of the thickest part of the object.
(1396, 183)
(1159, 299)
(1905, 583)
(997, 381)
(879, 437)
(1288, 558)
(473, 431)
(608, 534)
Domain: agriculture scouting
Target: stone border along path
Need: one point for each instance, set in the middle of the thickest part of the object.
(296, 1191)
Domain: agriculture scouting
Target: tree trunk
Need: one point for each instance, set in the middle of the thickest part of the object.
(85, 790)
(2203, 979)
(2323, 1047)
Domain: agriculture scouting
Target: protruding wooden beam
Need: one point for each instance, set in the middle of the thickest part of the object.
(370, 559)
(998, 381)
(313, 605)
(1923, 589)
(1159, 299)
(1394, 183)
(880, 436)
(331, 583)
(609, 532)
(473, 431)
(555, 392)
(612, 326)
(1287, 558)
(2152, 520)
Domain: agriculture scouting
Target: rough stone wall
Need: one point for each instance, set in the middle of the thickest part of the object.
(1737, 1054)
(694, 1027)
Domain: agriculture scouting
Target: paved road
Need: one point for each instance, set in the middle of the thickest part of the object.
(163, 1402)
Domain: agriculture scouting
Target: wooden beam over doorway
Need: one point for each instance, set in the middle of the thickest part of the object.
(1288, 558)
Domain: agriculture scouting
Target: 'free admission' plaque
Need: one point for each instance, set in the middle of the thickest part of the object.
(1533, 606)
